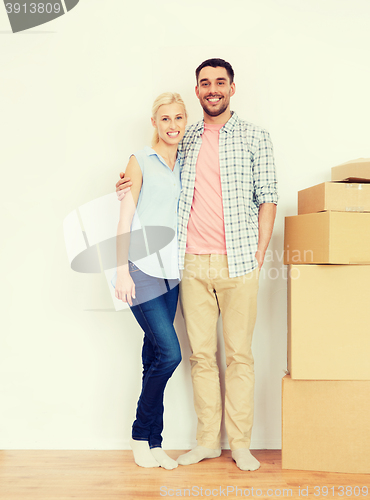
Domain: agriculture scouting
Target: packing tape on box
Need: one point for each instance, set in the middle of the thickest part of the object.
(355, 208)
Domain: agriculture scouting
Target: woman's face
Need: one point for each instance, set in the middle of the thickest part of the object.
(170, 122)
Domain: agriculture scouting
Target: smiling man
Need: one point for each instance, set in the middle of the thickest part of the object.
(226, 215)
(214, 90)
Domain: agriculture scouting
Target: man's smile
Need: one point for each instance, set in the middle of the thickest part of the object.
(213, 99)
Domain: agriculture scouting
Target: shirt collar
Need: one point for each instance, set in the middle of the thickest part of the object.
(150, 152)
(228, 127)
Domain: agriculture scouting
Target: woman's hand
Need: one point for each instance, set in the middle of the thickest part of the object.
(125, 287)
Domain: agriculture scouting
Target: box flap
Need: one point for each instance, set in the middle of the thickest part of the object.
(352, 171)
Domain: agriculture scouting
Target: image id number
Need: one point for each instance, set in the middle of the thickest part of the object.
(33, 8)
(341, 491)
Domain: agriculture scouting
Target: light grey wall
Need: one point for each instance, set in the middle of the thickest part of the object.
(75, 100)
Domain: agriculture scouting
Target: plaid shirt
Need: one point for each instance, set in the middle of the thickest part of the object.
(248, 179)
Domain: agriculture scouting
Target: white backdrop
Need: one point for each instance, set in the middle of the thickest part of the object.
(75, 100)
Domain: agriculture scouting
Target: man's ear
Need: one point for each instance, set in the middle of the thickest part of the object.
(197, 91)
(233, 89)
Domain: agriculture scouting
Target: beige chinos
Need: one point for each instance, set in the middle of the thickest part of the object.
(206, 290)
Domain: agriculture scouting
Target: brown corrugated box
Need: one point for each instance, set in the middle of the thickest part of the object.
(336, 196)
(327, 238)
(353, 171)
(328, 322)
(326, 425)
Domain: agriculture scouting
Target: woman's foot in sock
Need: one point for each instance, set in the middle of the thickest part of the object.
(142, 454)
(163, 459)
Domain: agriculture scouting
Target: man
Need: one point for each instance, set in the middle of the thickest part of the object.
(225, 219)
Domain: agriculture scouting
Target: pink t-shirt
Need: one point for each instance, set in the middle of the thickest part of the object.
(206, 231)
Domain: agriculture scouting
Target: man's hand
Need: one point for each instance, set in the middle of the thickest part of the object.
(123, 186)
(260, 256)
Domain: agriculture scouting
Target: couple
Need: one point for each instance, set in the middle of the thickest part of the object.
(223, 218)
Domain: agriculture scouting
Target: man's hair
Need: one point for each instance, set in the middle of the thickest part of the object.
(215, 63)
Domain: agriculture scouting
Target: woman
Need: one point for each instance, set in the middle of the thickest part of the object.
(150, 284)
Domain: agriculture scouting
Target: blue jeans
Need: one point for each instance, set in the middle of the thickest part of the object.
(154, 309)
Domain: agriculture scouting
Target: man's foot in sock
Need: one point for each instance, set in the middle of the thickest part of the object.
(163, 459)
(142, 454)
(244, 460)
(199, 453)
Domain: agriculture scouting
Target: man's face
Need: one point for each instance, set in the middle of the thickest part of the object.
(214, 90)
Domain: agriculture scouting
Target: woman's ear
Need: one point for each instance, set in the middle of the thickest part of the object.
(153, 123)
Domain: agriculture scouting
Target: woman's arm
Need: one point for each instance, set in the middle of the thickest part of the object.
(125, 287)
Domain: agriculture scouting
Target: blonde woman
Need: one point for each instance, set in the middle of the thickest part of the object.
(150, 284)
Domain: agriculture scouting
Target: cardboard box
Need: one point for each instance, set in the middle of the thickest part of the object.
(328, 322)
(352, 171)
(326, 425)
(327, 238)
(337, 196)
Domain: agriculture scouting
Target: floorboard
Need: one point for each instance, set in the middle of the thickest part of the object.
(113, 475)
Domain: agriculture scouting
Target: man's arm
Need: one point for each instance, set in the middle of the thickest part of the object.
(265, 187)
(266, 219)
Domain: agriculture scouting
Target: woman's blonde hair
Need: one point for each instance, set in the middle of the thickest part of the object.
(165, 98)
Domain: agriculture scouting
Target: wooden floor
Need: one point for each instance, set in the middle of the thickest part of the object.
(112, 475)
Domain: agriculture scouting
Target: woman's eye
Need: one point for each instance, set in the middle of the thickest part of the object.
(179, 117)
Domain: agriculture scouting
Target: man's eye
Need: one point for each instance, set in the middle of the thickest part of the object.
(221, 83)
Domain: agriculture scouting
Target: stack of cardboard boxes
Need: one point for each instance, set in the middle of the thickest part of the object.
(326, 396)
